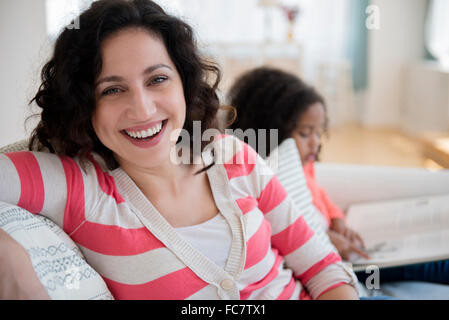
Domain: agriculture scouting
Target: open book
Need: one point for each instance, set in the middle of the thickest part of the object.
(401, 232)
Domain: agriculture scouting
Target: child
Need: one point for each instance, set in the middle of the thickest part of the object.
(267, 98)
(272, 99)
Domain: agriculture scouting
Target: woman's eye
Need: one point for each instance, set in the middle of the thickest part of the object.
(158, 79)
(303, 134)
(110, 91)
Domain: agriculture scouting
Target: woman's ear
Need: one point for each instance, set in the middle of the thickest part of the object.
(231, 114)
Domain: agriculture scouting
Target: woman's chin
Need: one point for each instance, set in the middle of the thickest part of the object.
(144, 158)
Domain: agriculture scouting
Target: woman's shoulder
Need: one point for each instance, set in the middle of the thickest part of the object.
(21, 149)
(24, 157)
(230, 150)
(45, 161)
(238, 158)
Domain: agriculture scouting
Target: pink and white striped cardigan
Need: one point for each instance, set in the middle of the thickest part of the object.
(273, 255)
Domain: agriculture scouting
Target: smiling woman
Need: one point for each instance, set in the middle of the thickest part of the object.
(114, 97)
(77, 81)
(134, 101)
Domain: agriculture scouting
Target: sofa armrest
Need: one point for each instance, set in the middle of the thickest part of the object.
(349, 183)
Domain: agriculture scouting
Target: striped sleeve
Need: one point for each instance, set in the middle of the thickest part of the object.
(39, 183)
(312, 261)
(57, 187)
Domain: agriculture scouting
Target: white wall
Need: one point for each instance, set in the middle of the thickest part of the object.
(24, 48)
(391, 48)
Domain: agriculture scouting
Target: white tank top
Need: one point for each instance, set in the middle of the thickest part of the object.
(212, 238)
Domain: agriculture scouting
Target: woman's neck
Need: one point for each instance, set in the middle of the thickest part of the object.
(167, 179)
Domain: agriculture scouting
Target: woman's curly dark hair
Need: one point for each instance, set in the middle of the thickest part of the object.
(66, 95)
(269, 98)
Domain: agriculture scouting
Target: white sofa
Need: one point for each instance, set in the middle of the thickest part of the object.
(347, 184)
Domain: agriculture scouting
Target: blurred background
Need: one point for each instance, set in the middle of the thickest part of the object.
(382, 65)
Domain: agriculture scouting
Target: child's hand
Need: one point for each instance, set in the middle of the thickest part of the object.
(345, 246)
(339, 226)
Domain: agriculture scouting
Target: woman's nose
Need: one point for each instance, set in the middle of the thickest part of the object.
(142, 105)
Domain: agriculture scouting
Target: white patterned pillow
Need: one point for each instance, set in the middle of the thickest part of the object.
(57, 261)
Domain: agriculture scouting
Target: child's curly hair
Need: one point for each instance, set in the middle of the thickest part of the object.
(66, 95)
(269, 98)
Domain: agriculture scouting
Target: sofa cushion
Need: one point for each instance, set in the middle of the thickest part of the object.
(56, 259)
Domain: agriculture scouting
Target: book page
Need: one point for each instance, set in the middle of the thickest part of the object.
(411, 249)
(402, 231)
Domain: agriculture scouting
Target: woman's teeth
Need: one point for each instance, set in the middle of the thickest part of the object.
(145, 133)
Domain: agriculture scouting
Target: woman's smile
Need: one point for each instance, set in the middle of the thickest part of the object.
(146, 136)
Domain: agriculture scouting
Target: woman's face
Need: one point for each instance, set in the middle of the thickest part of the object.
(139, 99)
(308, 131)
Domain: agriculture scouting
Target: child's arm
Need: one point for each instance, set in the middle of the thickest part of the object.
(339, 226)
(337, 219)
(344, 246)
(334, 212)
